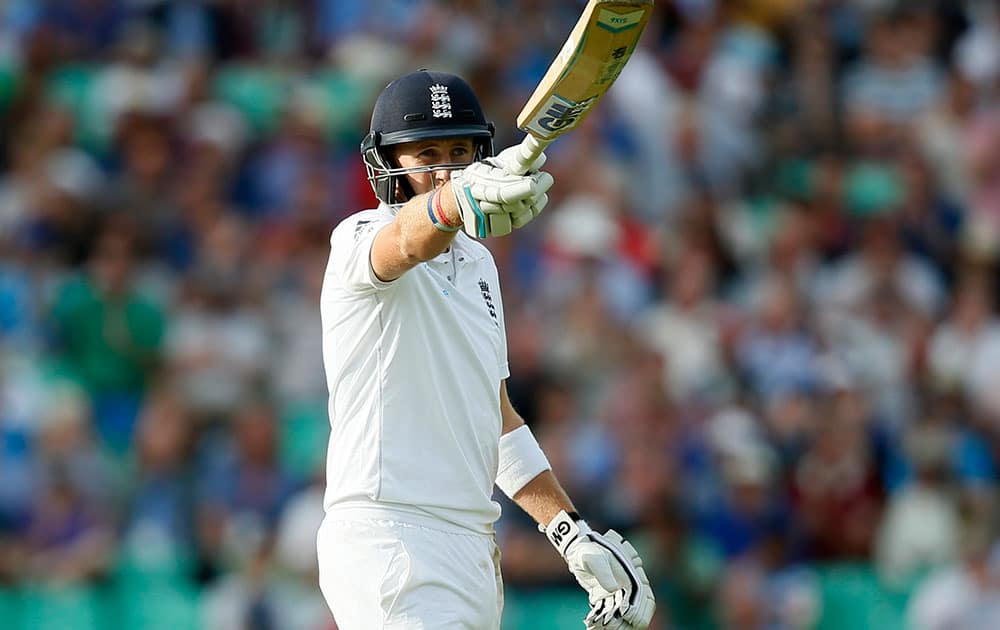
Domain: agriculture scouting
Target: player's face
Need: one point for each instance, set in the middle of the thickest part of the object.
(433, 152)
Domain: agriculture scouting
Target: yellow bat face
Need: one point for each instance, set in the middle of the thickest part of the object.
(591, 59)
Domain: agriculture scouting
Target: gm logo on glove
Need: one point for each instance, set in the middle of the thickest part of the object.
(561, 531)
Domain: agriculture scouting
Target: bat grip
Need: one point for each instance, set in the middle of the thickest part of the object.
(528, 151)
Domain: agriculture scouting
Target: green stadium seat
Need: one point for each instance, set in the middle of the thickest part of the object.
(10, 81)
(170, 566)
(157, 605)
(345, 100)
(258, 93)
(72, 87)
(61, 608)
(305, 430)
(10, 608)
(853, 598)
(552, 609)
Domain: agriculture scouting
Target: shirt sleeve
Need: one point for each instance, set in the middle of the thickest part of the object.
(350, 252)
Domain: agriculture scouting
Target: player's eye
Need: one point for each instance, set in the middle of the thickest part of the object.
(428, 155)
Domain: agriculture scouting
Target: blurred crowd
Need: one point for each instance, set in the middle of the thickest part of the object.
(756, 328)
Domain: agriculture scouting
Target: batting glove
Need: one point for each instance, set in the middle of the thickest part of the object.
(608, 568)
(600, 619)
(493, 202)
(530, 208)
(614, 612)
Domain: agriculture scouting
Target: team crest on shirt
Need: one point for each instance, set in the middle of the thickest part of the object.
(484, 288)
(440, 101)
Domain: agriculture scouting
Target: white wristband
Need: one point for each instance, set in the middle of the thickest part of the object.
(521, 460)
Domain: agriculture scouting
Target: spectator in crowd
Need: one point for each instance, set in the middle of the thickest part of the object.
(108, 334)
(242, 492)
(966, 593)
(905, 550)
(69, 534)
(159, 532)
(218, 335)
(686, 328)
(836, 485)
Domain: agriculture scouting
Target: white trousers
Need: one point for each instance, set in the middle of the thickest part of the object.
(386, 575)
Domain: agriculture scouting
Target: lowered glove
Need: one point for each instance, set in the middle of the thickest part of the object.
(612, 613)
(605, 614)
(609, 569)
(493, 202)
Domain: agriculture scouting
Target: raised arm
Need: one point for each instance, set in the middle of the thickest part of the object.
(413, 238)
(483, 199)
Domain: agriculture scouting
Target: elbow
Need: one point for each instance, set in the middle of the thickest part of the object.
(411, 258)
(415, 250)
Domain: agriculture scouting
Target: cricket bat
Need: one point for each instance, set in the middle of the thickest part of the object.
(586, 66)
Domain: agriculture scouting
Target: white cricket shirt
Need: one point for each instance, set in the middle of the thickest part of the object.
(413, 368)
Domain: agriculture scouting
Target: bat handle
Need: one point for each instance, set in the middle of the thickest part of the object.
(528, 151)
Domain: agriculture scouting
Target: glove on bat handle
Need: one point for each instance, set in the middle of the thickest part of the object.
(528, 151)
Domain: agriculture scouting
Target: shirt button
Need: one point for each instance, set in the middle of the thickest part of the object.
(461, 259)
(449, 277)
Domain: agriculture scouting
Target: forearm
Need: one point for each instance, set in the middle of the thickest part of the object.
(543, 497)
(413, 238)
(606, 566)
(540, 496)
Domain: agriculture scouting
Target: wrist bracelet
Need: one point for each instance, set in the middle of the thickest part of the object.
(439, 211)
(444, 227)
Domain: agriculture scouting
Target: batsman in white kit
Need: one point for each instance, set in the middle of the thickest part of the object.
(415, 351)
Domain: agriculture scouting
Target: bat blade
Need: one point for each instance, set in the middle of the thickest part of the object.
(591, 59)
(588, 63)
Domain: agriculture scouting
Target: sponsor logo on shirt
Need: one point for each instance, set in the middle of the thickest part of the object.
(359, 229)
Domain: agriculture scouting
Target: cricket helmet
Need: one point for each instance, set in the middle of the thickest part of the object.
(421, 105)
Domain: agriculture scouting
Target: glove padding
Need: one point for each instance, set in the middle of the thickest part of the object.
(614, 612)
(507, 160)
(493, 202)
(528, 210)
(608, 568)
